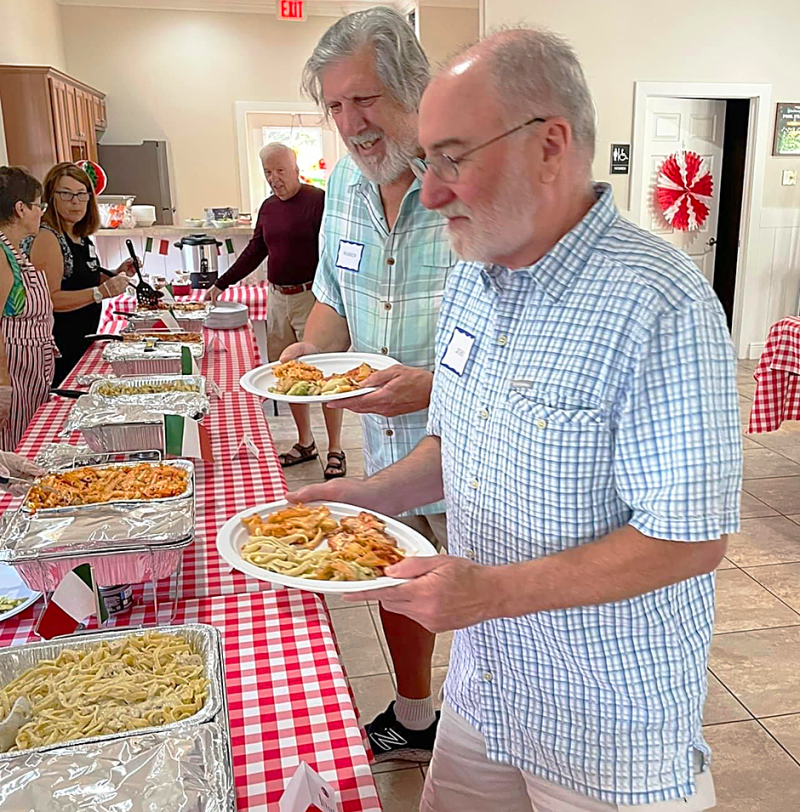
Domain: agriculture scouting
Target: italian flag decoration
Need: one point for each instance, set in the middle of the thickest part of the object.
(229, 245)
(163, 247)
(148, 245)
(74, 601)
(188, 364)
(187, 438)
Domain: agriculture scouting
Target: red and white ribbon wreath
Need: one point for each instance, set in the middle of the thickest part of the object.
(683, 187)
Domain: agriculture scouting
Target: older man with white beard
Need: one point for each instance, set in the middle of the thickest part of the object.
(379, 285)
(584, 430)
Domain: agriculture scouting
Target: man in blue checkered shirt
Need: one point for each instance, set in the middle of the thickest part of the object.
(584, 431)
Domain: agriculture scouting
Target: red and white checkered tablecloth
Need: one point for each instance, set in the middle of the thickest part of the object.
(223, 488)
(288, 698)
(777, 395)
(254, 296)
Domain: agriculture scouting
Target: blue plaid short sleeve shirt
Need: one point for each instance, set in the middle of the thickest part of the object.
(388, 284)
(599, 391)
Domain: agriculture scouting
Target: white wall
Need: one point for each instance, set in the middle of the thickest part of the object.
(443, 30)
(713, 41)
(31, 33)
(175, 75)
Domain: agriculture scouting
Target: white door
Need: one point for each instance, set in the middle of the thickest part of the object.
(697, 125)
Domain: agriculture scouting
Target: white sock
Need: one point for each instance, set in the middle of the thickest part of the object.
(414, 714)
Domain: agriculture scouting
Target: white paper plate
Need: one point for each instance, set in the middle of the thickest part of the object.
(227, 309)
(233, 534)
(259, 380)
(11, 586)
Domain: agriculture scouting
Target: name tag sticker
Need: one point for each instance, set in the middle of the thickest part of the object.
(349, 256)
(458, 351)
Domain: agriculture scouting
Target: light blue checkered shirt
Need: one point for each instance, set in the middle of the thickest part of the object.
(599, 392)
(392, 301)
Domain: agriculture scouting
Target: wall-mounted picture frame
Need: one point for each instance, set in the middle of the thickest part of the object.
(787, 129)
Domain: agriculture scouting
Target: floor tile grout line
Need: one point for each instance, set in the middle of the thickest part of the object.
(769, 476)
(778, 715)
(768, 629)
(384, 653)
(736, 698)
(778, 598)
(761, 566)
(767, 731)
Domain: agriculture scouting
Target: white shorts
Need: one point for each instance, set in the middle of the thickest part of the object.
(461, 777)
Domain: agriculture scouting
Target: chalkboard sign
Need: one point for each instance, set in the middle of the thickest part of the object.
(787, 129)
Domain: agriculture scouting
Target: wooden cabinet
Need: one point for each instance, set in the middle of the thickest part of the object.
(49, 117)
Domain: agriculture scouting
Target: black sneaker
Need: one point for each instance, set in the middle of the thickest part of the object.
(391, 741)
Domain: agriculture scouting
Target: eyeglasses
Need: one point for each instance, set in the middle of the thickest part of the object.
(41, 206)
(446, 168)
(68, 197)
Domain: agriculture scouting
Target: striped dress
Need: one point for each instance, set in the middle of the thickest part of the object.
(30, 349)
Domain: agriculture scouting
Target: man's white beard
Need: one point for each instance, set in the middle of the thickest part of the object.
(395, 162)
(497, 229)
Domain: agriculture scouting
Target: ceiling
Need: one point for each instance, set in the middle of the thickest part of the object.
(327, 8)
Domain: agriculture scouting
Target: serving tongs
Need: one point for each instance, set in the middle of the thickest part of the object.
(145, 293)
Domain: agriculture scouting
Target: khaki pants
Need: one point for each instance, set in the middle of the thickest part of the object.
(286, 319)
(433, 526)
(461, 777)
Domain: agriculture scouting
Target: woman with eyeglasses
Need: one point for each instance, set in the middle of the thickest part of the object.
(64, 251)
(27, 353)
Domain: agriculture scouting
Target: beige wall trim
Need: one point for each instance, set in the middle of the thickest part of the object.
(758, 148)
(314, 8)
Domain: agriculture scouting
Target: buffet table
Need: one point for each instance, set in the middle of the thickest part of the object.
(288, 695)
(777, 376)
(254, 296)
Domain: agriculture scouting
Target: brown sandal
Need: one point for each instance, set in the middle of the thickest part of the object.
(337, 465)
(304, 454)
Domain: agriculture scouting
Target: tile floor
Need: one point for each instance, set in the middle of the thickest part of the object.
(752, 715)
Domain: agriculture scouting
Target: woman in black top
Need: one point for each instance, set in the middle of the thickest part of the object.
(64, 251)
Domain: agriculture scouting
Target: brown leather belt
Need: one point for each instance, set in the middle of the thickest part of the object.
(290, 290)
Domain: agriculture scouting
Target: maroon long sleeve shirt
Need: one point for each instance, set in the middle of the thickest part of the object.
(287, 233)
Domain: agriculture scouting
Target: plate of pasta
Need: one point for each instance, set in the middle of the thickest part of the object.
(15, 597)
(315, 378)
(328, 548)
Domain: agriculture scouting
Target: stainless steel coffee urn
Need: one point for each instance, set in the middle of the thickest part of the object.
(199, 253)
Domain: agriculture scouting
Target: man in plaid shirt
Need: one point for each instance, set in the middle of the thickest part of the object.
(379, 285)
(584, 431)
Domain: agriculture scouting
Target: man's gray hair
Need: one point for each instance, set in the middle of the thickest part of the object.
(537, 73)
(400, 62)
(275, 146)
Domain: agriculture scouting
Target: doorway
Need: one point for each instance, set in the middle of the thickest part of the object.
(715, 129)
(741, 115)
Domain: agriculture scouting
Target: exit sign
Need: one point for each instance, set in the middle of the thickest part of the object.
(291, 10)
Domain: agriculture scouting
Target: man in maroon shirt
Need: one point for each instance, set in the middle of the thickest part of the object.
(287, 235)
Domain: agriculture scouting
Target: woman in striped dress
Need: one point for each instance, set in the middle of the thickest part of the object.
(27, 350)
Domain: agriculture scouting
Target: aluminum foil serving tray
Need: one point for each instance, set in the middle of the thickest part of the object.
(205, 640)
(185, 465)
(125, 542)
(190, 321)
(130, 357)
(181, 771)
(142, 381)
(131, 422)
